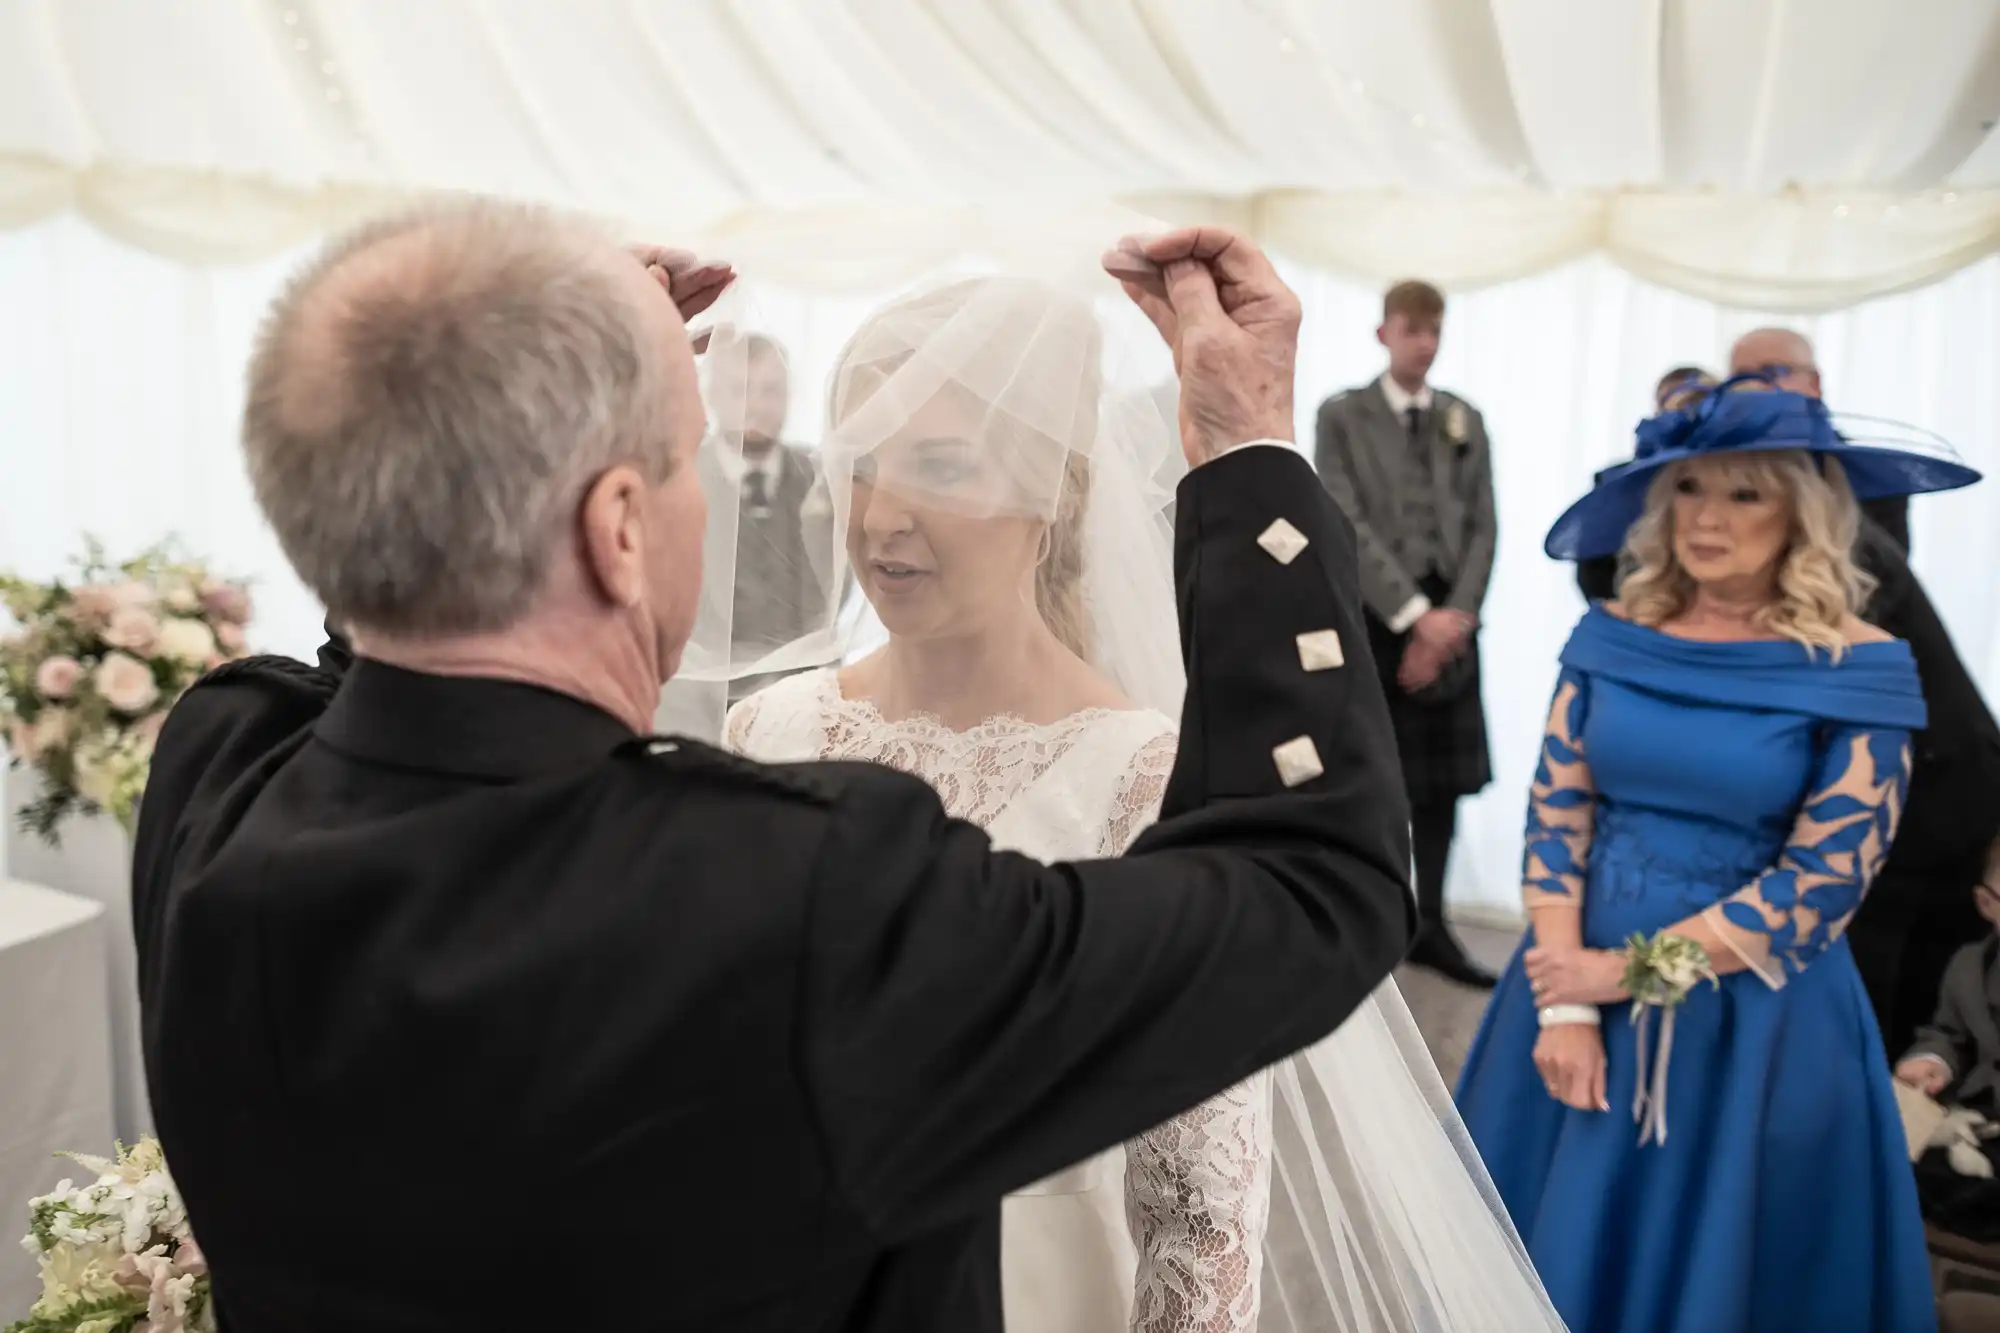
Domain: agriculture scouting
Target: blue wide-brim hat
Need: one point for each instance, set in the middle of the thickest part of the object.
(1744, 415)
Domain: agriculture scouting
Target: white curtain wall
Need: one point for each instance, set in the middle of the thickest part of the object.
(1773, 153)
(121, 389)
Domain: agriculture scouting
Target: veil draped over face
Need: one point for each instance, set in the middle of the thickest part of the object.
(1017, 419)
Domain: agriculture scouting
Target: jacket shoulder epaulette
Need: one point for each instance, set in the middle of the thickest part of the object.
(678, 754)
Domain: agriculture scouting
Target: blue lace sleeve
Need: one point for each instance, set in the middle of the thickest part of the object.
(1562, 805)
(1788, 915)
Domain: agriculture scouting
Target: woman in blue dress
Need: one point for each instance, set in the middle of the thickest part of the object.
(1724, 766)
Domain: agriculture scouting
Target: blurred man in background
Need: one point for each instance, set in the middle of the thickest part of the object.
(768, 500)
(1786, 358)
(1411, 467)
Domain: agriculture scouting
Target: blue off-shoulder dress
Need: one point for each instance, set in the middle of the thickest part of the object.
(1759, 785)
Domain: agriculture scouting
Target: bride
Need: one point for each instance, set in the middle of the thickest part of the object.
(1004, 516)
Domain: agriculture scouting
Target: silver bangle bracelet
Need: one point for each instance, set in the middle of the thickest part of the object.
(1557, 1015)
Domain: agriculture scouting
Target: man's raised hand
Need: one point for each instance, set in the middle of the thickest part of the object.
(1233, 327)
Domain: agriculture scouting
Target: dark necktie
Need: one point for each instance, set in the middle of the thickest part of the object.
(1413, 415)
(756, 491)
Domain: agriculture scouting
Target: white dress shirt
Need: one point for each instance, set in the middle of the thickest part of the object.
(1400, 400)
(737, 467)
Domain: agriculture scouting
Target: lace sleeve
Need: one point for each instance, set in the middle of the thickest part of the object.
(1140, 791)
(1562, 804)
(1788, 915)
(737, 726)
(1197, 1197)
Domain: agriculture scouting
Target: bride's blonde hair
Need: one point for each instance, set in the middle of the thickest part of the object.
(1818, 585)
(1075, 362)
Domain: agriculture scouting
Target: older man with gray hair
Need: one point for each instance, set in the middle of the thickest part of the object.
(1785, 357)
(469, 1006)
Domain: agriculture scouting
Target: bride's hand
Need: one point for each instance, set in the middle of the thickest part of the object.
(1233, 326)
(1576, 976)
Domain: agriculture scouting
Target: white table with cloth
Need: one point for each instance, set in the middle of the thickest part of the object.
(93, 860)
(55, 1061)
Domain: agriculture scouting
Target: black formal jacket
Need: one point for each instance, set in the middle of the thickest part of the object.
(1953, 809)
(464, 1008)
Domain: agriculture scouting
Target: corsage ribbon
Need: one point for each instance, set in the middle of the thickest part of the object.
(1659, 974)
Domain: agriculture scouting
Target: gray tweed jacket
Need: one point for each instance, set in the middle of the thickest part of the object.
(1360, 449)
(1965, 1033)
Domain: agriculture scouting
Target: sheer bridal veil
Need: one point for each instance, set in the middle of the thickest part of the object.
(1023, 413)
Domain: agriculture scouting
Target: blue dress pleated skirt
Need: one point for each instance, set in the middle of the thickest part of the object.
(1783, 1197)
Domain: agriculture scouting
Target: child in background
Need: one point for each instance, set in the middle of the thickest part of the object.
(1956, 1059)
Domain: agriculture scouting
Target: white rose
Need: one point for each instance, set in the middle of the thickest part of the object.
(189, 640)
(182, 599)
(96, 777)
(126, 683)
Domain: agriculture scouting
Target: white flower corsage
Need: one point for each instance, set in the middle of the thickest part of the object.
(1660, 973)
(1457, 426)
(117, 1255)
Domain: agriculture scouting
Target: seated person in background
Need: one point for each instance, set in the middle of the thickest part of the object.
(1958, 1051)
(1956, 1058)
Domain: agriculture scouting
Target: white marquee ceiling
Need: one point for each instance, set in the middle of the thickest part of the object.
(1776, 152)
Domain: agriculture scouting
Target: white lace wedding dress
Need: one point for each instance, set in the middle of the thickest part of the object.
(1166, 1234)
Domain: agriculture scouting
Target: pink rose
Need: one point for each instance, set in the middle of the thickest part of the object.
(133, 593)
(56, 678)
(132, 628)
(92, 604)
(148, 727)
(230, 636)
(126, 683)
(225, 601)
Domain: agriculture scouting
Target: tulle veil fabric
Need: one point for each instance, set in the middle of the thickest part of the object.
(1034, 393)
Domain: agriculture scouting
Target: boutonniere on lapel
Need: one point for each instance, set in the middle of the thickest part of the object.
(1457, 426)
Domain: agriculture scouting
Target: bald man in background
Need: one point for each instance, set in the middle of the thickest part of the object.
(1787, 357)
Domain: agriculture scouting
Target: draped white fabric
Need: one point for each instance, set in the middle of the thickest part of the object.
(123, 386)
(1765, 153)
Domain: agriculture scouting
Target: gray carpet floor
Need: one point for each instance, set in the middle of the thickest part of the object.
(1446, 1014)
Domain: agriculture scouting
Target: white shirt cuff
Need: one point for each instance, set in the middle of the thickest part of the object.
(1938, 1060)
(1252, 444)
(1413, 611)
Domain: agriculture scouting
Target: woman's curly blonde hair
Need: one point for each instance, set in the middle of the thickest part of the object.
(1818, 585)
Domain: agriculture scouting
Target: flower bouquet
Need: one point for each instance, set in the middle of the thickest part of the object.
(94, 663)
(117, 1255)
